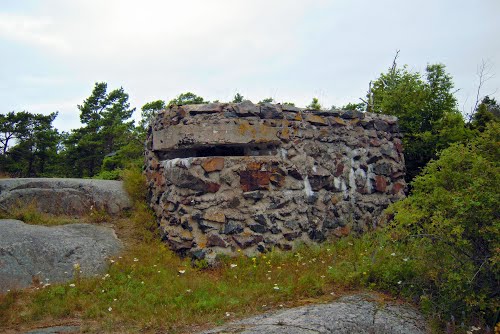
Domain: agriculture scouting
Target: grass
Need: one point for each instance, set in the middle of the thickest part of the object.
(149, 289)
(30, 214)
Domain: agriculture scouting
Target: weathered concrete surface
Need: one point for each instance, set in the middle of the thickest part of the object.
(40, 254)
(64, 196)
(352, 314)
(229, 176)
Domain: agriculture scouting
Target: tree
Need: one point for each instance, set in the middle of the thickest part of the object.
(149, 110)
(487, 111)
(187, 98)
(423, 107)
(238, 98)
(12, 126)
(34, 143)
(314, 104)
(105, 130)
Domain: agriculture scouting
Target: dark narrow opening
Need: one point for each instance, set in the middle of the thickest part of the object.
(221, 151)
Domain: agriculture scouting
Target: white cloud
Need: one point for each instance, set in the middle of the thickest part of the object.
(31, 30)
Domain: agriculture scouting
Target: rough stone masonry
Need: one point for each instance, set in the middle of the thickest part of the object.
(225, 177)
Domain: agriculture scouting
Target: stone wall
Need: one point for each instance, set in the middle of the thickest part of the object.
(225, 177)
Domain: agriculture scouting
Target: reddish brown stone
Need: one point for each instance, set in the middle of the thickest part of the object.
(213, 164)
(154, 163)
(342, 231)
(339, 169)
(380, 183)
(212, 187)
(277, 179)
(399, 147)
(215, 240)
(158, 178)
(251, 180)
(397, 188)
(181, 113)
(254, 165)
(375, 142)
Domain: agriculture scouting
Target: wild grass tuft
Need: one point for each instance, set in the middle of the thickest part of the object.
(30, 214)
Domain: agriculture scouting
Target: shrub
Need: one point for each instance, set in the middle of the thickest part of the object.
(452, 216)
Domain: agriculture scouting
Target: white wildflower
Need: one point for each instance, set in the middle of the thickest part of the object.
(182, 271)
(72, 285)
(110, 309)
(233, 265)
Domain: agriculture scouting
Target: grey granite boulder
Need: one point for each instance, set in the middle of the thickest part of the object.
(40, 254)
(64, 196)
(352, 314)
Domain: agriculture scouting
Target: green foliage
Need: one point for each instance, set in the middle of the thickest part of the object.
(266, 100)
(105, 131)
(487, 111)
(452, 214)
(108, 175)
(238, 98)
(29, 144)
(425, 107)
(353, 106)
(314, 104)
(289, 104)
(187, 98)
(149, 110)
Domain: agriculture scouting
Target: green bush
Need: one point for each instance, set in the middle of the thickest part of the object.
(452, 216)
(108, 175)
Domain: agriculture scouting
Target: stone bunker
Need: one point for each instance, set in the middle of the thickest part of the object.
(225, 177)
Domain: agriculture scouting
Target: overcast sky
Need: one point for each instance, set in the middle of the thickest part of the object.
(53, 51)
